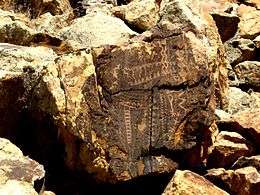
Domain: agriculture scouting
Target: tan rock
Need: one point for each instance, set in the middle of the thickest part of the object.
(244, 181)
(96, 29)
(143, 14)
(248, 73)
(240, 100)
(249, 26)
(257, 42)
(254, 3)
(15, 28)
(14, 187)
(17, 172)
(228, 147)
(189, 183)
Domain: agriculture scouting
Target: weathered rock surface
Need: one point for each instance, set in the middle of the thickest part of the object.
(34, 8)
(240, 100)
(243, 181)
(95, 30)
(142, 14)
(17, 172)
(257, 42)
(189, 183)
(248, 73)
(239, 50)
(253, 161)
(249, 26)
(228, 147)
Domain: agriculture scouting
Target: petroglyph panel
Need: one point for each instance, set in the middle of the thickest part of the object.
(129, 125)
(170, 114)
(143, 65)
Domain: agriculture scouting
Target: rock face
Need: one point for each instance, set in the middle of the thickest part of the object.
(18, 172)
(243, 181)
(188, 183)
(253, 161)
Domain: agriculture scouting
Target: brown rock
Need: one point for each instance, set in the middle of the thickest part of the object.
(244, 181)
(248, 73)
(253, 161)
(227, 25)
(238, 50)
(189, 183)
(34, 8)
(248, 122)
(228, 147)
(253, 3)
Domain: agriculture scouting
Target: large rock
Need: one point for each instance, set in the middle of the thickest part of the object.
(240, 100)
(189, 183)
(34, 8)
(17, 172)
(95, 30)
(142, 14)
(248, 73)
(239, 50)
(253, 161)
(243, 181)
(121, 111)
(228, 147)
(249, 26)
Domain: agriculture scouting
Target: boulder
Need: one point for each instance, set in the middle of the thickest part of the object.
(95, 30)
(248, 123)
(240, 100)
(15, 28)
(18, 173)
(142, 14)
(243, 181)
(34, 8)
(239, 50)
(249, 26)
(248, 73)
(228, 147)
(189, 183)
(253, 161)
(257, 42)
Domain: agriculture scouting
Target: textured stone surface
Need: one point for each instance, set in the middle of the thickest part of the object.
(240, 100)
(95, 30)
(17, 172)
(248, 73)
(243, 181)
(189, 183)
(142, 14)
(249, 26)
(253, 161)
(228, 147)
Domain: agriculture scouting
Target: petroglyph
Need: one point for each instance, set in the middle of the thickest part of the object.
(154, 89)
